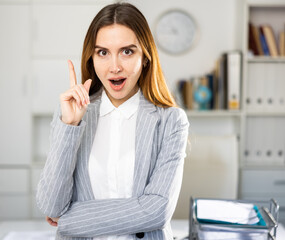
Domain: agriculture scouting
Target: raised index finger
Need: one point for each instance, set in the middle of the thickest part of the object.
(72, 75)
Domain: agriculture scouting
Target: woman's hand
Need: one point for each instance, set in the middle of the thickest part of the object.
(52, 221)
(74, 101)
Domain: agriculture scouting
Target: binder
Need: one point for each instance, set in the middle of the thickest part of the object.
(282, 43)
(255, 87)
(221, 84)
(211, 83)
(195, 84)
(256, 35)
(250, 152)
(234, 60)
(259, 135)
(271, 86)
(280, 93)
(269, 140)
(249, 101)
(263, 42)
(255, 136)
(188, 94)
(277, 145)
(270, 40)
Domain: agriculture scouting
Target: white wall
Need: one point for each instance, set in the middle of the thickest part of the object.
(219, 23)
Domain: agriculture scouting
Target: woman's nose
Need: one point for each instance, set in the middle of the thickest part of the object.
(115, 66)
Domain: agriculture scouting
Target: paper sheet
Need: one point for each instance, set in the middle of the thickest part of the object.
(31, 235)
(227, 211)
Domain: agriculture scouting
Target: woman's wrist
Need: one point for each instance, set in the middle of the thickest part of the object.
(70, 123)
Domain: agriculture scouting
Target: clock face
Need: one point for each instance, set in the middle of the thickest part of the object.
(175, 32)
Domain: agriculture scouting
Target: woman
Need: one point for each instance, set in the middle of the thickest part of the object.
(115, 165)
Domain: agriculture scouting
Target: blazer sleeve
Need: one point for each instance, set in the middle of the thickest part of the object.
(55, 187)
(149, 212)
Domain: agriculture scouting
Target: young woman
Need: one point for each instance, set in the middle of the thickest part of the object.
(115, 165)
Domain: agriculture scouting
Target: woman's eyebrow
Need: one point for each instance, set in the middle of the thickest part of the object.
(125, 47)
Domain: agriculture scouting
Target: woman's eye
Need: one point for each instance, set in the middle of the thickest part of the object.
(102, 53)
(128, 52)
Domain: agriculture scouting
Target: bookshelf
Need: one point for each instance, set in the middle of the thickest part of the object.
(213, 113)
(262, 152)
(261, 59)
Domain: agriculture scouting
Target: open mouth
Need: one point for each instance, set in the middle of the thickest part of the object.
(118, 82)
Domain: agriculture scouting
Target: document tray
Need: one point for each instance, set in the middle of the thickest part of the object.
(210, 231)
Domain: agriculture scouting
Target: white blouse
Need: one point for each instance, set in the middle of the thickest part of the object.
(112, 158)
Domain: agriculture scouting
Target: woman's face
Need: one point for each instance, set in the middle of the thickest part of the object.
(118, 61)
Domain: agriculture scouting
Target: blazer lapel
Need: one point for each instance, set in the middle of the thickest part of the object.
(145, 129)
(91, 117)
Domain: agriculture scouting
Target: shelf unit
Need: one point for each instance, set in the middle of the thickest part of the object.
(262, 157)
(254, 125)
(30, 94)
(213, 113)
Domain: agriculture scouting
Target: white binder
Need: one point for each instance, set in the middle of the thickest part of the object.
(271, 87)
(268, 139)
(278, 143)
(234, 80)
(257, 132)
(249, 154)
(255, 87)
(281, 86)
(255, 141)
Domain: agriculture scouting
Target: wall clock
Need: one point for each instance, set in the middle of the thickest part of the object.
(176, 32)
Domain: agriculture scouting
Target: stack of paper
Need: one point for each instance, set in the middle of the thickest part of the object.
(208, 235)
(218, 211)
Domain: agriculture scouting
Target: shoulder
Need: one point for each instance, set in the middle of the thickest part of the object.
(174, 114)
(163, 113)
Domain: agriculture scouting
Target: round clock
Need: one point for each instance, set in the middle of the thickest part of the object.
(175, 32)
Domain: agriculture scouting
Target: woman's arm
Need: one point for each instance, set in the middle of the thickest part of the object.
(138, 214)
(54, 190)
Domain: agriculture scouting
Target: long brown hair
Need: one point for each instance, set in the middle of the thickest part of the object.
(151, 81)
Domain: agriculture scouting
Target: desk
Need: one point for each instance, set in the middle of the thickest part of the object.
(179, 227)
(21, 226)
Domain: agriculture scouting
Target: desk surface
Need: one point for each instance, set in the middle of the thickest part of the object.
(179, 227)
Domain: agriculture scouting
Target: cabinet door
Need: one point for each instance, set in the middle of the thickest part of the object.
(59, 29)
(48, 84)
(14, 194)
(14, 90)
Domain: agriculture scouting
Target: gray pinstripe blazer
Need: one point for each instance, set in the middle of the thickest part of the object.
(65, 190)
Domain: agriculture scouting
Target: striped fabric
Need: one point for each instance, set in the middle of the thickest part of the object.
(65, 190)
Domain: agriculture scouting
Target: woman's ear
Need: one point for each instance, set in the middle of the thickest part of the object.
(145, 62)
